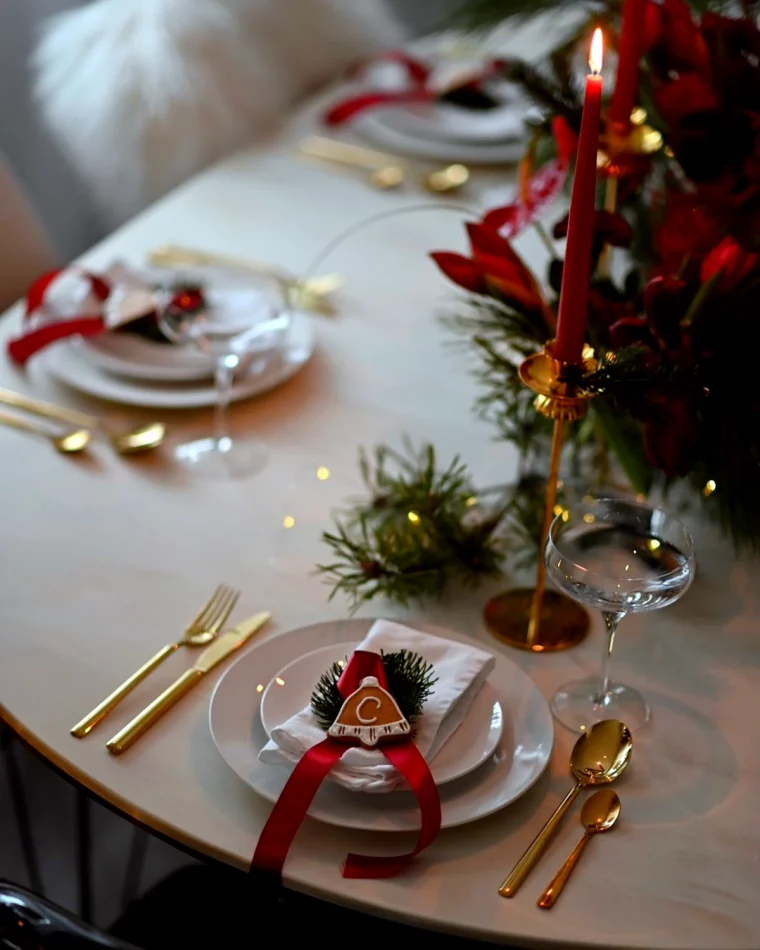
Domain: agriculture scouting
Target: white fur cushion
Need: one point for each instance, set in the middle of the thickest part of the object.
(141, 94)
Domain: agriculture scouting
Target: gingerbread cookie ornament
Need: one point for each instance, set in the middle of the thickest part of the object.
(370, 714)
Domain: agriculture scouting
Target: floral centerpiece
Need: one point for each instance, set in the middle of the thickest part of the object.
(673, 322)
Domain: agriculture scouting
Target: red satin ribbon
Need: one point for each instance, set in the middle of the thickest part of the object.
(291, 807)
(417, 73)
(26, 345)
(542, 188)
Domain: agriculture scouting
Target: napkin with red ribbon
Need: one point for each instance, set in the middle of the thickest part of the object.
(390, 750)
(363, 681)
(72, 301)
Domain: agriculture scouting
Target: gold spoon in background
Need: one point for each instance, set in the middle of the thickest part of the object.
(600, 755)
(386, 171)
(68, 443)
(128, 442)
(450, 178)
(599, 814)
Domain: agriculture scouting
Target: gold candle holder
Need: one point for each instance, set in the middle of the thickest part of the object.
(534, 618)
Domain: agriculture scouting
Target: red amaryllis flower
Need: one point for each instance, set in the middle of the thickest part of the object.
(493, 269)
(671, 438)
(729, 263)
(666, 302)
(683, 96)
(632, 331)
(684, 233)
(678, 39)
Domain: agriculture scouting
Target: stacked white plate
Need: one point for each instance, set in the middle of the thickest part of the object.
(444, 131)
(127, 368)
(497, 753)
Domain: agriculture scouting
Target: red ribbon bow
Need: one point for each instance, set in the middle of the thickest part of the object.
(31, 341)
(419, 91)
(291, 807)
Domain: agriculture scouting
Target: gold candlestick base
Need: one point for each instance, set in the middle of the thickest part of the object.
(534, 619)
(562, 622)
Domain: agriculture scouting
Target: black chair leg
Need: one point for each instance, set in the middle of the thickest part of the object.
(21, 811)
(138, 851)
(84, 856)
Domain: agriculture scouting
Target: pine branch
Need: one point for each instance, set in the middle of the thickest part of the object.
(420, 527)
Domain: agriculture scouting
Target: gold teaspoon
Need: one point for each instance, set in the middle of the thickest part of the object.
(68, 443)
(599, 756)
(450, 178)
(127, 442)
(599, 813)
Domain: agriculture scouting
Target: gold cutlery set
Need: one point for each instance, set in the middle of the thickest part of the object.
(599, 757)
(384, 171)
(83, 426)
(203, 630)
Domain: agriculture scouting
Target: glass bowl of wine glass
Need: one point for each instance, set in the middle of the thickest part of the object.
(619, 556)
(239, 323)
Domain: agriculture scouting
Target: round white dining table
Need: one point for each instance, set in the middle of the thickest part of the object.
(106, 558)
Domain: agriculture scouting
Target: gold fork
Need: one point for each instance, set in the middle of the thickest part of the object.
(201, 630)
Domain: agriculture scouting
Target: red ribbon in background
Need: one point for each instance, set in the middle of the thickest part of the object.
(291, 807)
(419, 91)
(539, 190)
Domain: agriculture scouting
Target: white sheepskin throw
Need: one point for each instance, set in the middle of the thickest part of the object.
(141, 94)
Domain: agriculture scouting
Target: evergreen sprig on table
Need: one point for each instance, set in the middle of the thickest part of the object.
(410, 682)
(421, 527)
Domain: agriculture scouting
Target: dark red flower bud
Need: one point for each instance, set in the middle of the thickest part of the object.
(729, 263)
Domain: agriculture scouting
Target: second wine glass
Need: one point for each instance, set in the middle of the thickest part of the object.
(621, 557)
(238, 325)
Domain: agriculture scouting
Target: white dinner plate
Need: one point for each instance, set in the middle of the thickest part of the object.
(381, 128)
(134, 357)
(445, 122)
(67, 363)
(475, 740)
(520, 757)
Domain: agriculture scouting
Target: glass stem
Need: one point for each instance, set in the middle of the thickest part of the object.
(225, 370)
(611, 621)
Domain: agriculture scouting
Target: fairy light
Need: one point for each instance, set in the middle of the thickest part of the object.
(709, 488)
(413, 517)
(288, 521)
(323, 473)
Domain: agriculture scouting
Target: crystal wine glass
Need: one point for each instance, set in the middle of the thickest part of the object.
(621, 557)
(240, 327)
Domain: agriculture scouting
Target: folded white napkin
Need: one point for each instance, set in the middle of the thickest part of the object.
(461, 671)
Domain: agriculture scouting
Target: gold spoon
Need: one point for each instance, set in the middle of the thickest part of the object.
(450, 178)
(599, 814)
(386, 171)
(128, 442)
(599, 756)
(68, 443)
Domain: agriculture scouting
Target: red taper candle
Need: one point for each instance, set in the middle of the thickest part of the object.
(627, 80)
(576, 275)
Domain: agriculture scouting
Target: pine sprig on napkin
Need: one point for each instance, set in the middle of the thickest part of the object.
(410, 681)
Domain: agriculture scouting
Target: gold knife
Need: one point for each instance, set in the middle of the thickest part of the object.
(219, 650)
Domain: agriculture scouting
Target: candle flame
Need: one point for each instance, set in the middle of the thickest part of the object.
(595, 56)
